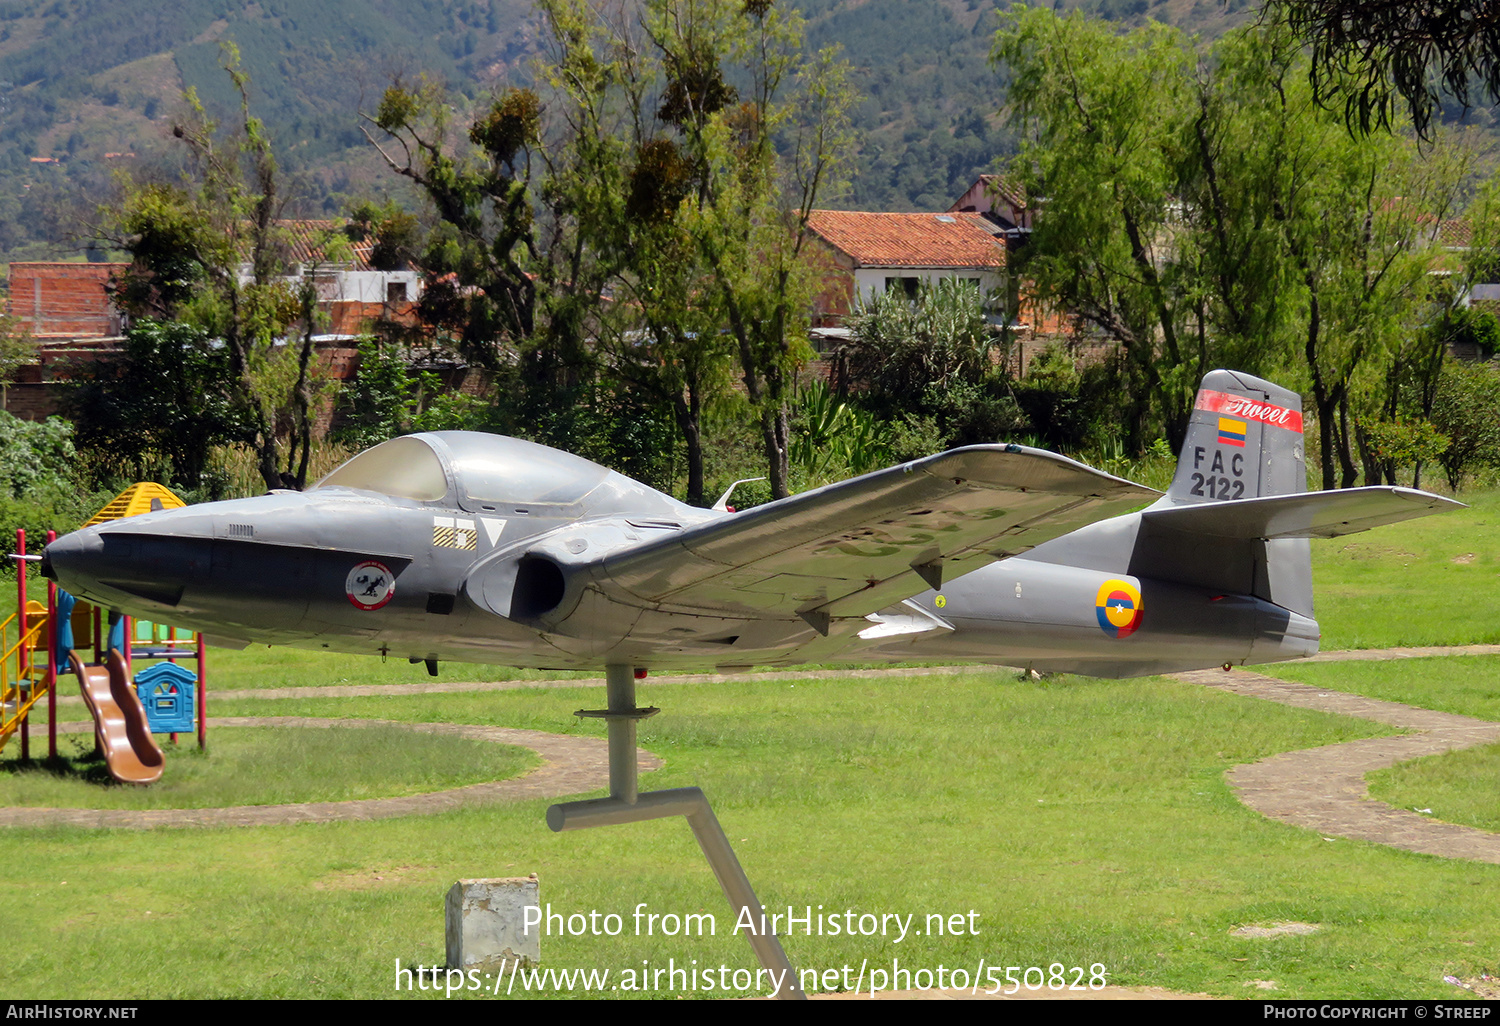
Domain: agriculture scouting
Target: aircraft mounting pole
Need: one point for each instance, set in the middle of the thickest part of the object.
(626, 805)
(619, 686)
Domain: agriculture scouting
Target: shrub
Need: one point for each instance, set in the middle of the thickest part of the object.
(1468, 397)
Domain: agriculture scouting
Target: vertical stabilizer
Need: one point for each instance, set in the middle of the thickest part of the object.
(1245, 441)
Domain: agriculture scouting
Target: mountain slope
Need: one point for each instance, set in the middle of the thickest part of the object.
(89, 86)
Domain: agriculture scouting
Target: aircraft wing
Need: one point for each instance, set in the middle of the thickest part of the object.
(1308, 515)
(857, 547)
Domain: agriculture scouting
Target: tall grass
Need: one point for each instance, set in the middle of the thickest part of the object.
(1154, 470)
(237, 468)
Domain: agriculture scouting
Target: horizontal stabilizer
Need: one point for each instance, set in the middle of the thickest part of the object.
(1308, 515)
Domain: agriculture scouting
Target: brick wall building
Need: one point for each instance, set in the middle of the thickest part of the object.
(67, 308)
(59, 300)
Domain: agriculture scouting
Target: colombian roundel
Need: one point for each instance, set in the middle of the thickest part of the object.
(1119, 608)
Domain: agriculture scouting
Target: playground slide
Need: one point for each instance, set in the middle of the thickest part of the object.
(129, 750)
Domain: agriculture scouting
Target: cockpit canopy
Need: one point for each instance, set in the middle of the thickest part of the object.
(403, 467)
(479, 471)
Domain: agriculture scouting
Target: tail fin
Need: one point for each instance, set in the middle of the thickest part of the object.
(1236, 519)
(1244, 440)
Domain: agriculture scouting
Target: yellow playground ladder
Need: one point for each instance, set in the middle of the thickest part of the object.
(22, 681)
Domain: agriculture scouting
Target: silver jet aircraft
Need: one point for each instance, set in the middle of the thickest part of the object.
(467, 546)
(457, 545)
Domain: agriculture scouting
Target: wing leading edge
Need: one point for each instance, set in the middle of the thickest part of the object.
(857, 547)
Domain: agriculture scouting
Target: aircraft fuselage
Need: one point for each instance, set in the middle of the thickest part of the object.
(349, 572)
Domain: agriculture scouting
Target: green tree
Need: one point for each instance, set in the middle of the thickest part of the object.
(388, 398)
(480, 259)
(1467, 397)
(396, 234)
(1376, 55)
(169, 397)
(374, 405)
(34, 455)
(1102, 116)
(1358, 236)
(623, 182)
(936, 356)
(1403, 443)
(210, 251)
(311, 389)
(899, 346)
(718, 133)
(511, 281)
(17, 350)
(753, 206)
(667, 341)
(1469, 328)
(660, 184)
(39, 481)
(678, 185)
(1207, 212)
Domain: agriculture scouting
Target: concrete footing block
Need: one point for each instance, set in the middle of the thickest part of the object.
(486, 925)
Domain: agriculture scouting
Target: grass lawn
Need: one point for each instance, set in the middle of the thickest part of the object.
(1431, 581)
(1458, 787)
(1467, 685)
(265, 766)
(1081, 822)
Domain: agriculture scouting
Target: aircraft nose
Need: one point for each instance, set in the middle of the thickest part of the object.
(68, 559)
(118, 565)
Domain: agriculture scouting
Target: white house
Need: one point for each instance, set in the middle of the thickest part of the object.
(871, 253)
(351, 292)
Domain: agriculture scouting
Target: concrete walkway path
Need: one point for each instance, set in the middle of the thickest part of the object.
(1324, 789)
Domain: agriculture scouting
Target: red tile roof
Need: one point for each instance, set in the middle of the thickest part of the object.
(910, 240)
(1005, 188)
(305, 240)
(1457, 232)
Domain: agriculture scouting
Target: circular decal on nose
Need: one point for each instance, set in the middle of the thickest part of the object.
(370, 585)
(1118, 607)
